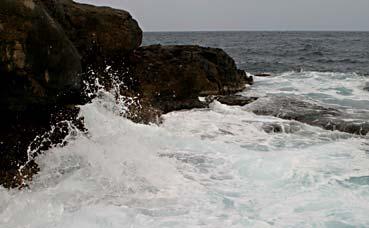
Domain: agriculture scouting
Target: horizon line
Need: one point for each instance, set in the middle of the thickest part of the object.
(256, 30)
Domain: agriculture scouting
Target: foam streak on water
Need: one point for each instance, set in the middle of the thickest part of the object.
(215, 167)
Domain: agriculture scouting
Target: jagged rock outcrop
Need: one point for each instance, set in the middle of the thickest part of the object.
(45, 48)
(39, 70)
(99, 33)
(173, 77)
(50, 48)
(46, 44)
(38, 63)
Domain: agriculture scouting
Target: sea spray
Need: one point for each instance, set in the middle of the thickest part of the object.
(69, 126)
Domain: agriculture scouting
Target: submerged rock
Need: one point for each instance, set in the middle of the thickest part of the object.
(281, 127)
(309, 113)
(235, 100)
(291, 108)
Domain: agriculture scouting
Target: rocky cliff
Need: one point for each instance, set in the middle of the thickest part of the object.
(49, 50)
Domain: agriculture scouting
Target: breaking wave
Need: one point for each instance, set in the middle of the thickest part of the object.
(216, 167)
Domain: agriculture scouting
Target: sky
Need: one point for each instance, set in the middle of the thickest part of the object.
(220, 15)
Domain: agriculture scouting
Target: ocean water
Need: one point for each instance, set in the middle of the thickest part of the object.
(278, 52)
(215, 167)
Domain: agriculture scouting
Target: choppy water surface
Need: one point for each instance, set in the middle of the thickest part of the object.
(279, 52)
(215, 167)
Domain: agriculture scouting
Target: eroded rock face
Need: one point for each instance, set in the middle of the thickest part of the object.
(98, 33)
(170, 78)
(173, 77)
(39, 75)
(310, 113)
(38, 63)
(45, 46)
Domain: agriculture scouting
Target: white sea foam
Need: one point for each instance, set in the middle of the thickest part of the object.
(215, 167)
(342, 89)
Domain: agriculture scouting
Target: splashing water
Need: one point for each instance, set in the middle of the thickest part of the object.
(216, 167)
(94, 88)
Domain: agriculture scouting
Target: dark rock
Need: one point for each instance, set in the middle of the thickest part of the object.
(263, 74)
(39, 83)
(97, 32)
(173, 77)
(281, 127)
(291, 108)
(38, 63)
(44, 46)
(170, 78)
(235, 100)
(309, 113)
(355, 126)
(25, 134)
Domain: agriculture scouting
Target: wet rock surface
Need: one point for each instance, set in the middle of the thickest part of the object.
(39, 83)
(38, 63)
(310, 113)
(234, 100)
(45, 50)
(281, 127)
(173, 77)
(98, 33)
(25, 134)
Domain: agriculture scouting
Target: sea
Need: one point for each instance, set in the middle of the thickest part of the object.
(216, 167)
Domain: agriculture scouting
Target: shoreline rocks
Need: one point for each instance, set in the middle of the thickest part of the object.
(235, 100)
(52, 50)
(173, 77)
(290, 108)
(39, 64)
(29, 133)
(98, 33)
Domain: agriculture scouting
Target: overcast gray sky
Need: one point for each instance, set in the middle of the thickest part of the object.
(192, 15)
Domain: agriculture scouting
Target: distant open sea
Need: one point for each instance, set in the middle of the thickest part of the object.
(278, 52)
